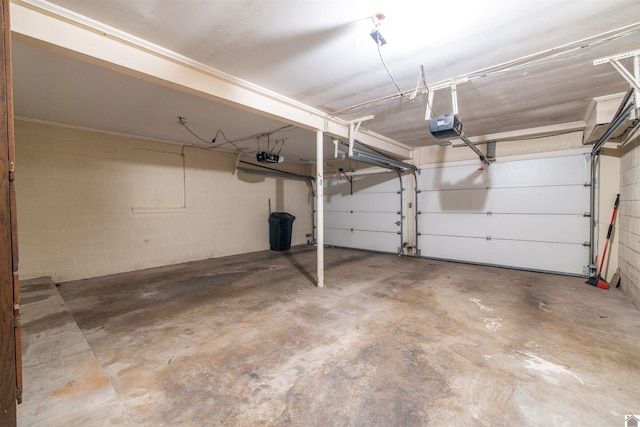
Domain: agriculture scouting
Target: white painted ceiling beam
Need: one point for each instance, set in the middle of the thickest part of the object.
(51, 29)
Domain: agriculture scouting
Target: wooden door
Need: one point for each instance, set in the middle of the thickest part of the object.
(10, 356)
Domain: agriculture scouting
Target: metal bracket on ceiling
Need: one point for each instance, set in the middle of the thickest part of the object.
(428, 114)
(235, 170)
(632, 79)
(452, 85)
(354, 125)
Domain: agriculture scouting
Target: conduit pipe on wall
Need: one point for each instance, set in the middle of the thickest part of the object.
(621, 116)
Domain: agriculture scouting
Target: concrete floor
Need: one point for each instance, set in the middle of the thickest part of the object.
(391, 341)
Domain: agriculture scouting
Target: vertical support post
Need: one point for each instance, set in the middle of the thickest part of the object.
(320, 207)
(454, 99)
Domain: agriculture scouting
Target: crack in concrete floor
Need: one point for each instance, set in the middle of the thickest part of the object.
(391, 341)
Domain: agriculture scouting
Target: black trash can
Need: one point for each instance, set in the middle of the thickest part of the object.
(280, 227)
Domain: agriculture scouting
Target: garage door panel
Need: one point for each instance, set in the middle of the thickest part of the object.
(376, 202)
(521, 213)
(452, 178)
(554, 199)
(540, 172)
(337, 187)
(569, 170)
(383, 183)
(454, 200)
(367, 240)
(544, 228)
(368, 218)
(373, 221)
(380, 183)
(561, 258)
(540, 200)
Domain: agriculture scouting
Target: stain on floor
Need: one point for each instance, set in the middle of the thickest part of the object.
(391, 341)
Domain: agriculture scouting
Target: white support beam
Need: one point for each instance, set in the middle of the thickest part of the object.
(616, 57)
(49, 26)
(320, 209)
(626, 74)
(632, 79)
(354, 126)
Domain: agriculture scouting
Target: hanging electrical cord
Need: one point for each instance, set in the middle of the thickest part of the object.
(234, 142)
(380, 41)
(390, 75)
(183, 123)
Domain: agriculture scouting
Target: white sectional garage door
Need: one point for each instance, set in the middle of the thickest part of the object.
(368, 218)
(521, 213)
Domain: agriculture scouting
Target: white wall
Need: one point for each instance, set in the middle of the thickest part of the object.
(630, 220)
(91, 204)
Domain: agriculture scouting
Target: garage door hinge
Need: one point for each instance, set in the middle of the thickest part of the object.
(587, 184)
(586, 244)
(419, 212)
(488, 237)
(586, 214)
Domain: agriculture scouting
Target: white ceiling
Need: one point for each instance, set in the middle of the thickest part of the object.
(319, 52)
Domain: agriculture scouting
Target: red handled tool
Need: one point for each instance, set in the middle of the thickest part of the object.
(598, 280)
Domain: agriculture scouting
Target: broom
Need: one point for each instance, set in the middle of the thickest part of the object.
(598, 280)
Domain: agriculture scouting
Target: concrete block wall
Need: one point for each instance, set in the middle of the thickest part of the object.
(629, 257)
(608, 187)
(87, 205)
